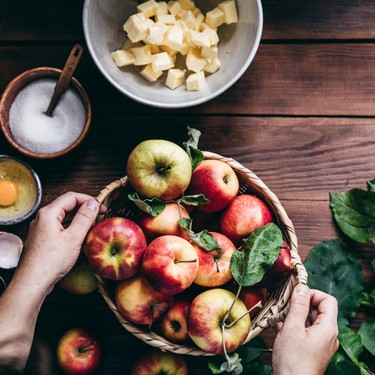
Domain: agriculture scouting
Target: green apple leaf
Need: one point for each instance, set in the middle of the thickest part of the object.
(336, 270)
(203, 239)
(350, 342)
(232, 365)
(371, 185)
(191, 146)
(260, 252)
(368, 299)
(343, 367)
(152, 206)
(367, 333)
(194, 200)
(354, 212)
(252, 350)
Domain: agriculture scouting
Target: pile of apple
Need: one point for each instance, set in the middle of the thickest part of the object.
(171, 262)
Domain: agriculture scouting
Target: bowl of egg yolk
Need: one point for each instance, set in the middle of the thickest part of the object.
(20, 191)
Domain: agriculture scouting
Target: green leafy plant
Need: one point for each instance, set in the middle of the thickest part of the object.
(335, 268)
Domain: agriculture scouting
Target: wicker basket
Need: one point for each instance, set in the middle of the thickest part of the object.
(114, 196)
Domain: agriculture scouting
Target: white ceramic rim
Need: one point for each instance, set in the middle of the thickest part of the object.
(192, 103)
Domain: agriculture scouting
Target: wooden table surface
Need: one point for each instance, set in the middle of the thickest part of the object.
(302, 118)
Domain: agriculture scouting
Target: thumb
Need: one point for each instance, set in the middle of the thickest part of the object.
(84, 219)
(299, 307)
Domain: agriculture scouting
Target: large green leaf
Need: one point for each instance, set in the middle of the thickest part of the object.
(260, 252)
(335, 269)
(367, 333)
(343, 368)
(354, 212)
(350, 342)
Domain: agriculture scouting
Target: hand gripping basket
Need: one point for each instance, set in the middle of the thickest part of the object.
(114, 196)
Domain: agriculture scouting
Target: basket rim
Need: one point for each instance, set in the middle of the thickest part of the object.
(277, 306)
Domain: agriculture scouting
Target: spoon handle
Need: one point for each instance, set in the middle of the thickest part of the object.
(65, 77)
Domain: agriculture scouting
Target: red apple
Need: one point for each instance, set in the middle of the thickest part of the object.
(207, 311)
(245, 213)
(156, 362)
(159, 168)
(114, 248)
(280, 269)
(174, 323)
(80, 280)
(217, 181)
(214, 265)
(170, 264)
(78, 353)
(250, 296)
(139, 302)
(164, 223)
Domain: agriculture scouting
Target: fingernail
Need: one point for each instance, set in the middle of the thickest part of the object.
(92, 205)
(302, 290)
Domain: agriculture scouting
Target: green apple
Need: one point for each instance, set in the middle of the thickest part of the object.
(159, 168)
(80, 279)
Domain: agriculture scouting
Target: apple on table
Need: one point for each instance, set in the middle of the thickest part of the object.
(114, 248)
(159, 168)
(78, 352)
(156, 362)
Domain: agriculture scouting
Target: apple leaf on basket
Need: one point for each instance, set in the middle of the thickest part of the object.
(153, 206)
(335, 269)
(354, 212)
(204, 239)
(260, 251)
(191, 146)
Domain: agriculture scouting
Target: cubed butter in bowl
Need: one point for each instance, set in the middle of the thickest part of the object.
(173, 54)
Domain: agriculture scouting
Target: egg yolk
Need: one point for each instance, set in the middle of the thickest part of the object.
(8, 192)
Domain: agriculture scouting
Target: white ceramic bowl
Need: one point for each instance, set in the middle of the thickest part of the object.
(103, 22)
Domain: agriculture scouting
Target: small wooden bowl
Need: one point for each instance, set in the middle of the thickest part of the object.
(13, 89)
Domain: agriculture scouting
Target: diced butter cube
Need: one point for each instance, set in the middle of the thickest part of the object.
(200, 39)
(211, 34)
(129, 44)
(138, 32)
(156, 33)
(161, 61)
(174, 7)
(171, 52)
(153, 47)
(123, 57)
(174, 38)
(185, 49)
(148, 8)
(149, 73)
(175, 78)
(142, 55)
(180, 13)
(195, 81)
(189, 19)
(167, 19)
(199, 19)
(230, 11)
(162, 9)
(215, 18)
(187, 4)
(209, 52)
(194, 61)
(212, 66)
(182, 26)
(134, 20)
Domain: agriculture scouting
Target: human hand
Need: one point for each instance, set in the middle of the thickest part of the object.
(306, 348)
(56, 237)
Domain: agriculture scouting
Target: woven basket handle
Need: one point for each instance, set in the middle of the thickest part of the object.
(109, 189)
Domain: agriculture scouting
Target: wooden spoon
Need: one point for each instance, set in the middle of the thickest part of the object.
(65, 77)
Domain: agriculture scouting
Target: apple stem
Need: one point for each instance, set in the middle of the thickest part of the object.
(185, 261)
(162, 170)
(87, 347)
(217, 266)
(259, 304)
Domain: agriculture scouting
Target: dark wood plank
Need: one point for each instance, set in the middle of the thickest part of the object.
(292, 79)
(58, 20)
